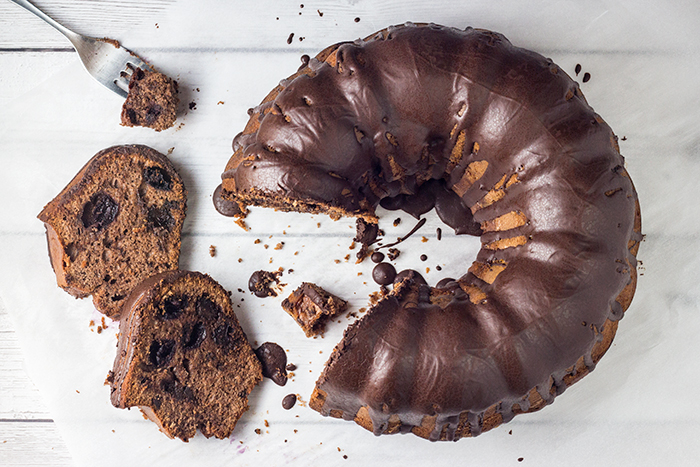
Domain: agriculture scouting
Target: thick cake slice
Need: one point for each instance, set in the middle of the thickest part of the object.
(182, 357)
(116, 223)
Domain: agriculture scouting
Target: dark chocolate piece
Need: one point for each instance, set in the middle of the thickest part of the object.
(225, 207)
(260, 283)
(274, 360)
(384, 273)
(377, 257)
(289, 401)
(312, 307)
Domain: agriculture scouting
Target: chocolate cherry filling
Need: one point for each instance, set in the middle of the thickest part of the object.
(502, 143)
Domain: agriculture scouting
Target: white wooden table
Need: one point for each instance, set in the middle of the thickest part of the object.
(638, 408)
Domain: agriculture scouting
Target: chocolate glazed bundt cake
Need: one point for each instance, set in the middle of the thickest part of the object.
(503, 144)
(116, 223)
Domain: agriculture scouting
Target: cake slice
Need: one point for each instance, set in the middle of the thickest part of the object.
(182, 356)
(116, 223)
(152, 100)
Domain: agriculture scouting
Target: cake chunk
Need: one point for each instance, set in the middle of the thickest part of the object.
(116, 223)
(182, 356)
(312, 307)
(152, 100)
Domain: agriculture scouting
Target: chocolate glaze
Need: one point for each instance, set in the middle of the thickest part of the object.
(274, 361)
(502, 142)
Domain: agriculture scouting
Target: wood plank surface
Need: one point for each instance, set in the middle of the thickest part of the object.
(627, 47)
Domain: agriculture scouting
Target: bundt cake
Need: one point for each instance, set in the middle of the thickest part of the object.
(502, 143)
(116, 223)
(152, 100)
(182, 357)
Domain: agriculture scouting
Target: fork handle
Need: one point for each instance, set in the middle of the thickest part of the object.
(72, 36)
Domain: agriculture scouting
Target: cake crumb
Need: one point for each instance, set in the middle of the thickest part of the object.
(220, 103)
(258, 431)
(423, 239)
(393, 253)
(256, 241)
(212, 250)
(266, 423)
(170, 151)
(397, 221)
(192, 105)
(240, 260)
(279, 246)
(241, 223)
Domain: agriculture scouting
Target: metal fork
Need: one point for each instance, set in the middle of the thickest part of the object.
(107, 61)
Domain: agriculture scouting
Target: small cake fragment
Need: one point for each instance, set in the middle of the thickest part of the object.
(312, 307)
(152, 100)
(182, 357)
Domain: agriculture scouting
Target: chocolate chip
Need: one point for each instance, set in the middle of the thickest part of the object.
(207, 309)
(260, 281)
(161, 352)
(577, 69)
(586, 77)
(224, 206)
(383, 273)
(157, 178)
(273, 360)
(152, 113)
(195, 336)
(161, 217)
(172, 306)
(289, 401)
(377, 257)
(291, 367)
(100, 211)
(423, 257)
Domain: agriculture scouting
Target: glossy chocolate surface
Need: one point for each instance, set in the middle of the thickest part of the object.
(503, 144)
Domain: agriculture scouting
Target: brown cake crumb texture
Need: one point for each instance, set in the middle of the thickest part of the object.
(183, 358)
(312, 307)
(152, 101)
(116, 223)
